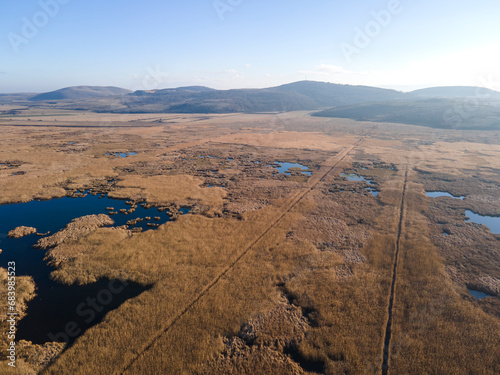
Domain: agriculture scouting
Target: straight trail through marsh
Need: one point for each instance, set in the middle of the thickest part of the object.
(388, 329)
(291, 202)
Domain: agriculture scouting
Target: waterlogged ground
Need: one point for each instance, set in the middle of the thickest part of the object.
(279, 268)
(357, 178)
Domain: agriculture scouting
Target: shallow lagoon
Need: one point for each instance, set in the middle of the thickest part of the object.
(57, 305)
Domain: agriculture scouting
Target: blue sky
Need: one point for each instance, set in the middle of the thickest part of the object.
(247, 43)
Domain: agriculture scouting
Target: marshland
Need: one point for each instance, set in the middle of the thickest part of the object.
(251, 267)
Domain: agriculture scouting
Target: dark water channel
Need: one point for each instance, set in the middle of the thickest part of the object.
(60, 312)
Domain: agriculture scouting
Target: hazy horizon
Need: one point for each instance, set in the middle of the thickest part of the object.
(225, 44)
(243, 88)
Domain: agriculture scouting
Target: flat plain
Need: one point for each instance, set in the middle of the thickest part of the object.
(269, 272)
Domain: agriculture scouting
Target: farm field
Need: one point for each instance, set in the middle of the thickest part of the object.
(336, 263)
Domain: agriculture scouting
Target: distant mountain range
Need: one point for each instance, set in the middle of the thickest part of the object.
(421, 107)
(443, 113)
(305, 95)
(81, 92)
(455, 92)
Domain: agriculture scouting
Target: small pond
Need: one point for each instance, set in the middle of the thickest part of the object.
(121, 154)
(492, 222)
(355, 177)
(358, 178)
(437, 194)
(478, 295)
(284, 168)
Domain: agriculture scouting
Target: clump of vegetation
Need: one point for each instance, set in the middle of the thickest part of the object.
(21, 231)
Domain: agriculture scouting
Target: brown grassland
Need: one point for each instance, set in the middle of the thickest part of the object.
(269, 273)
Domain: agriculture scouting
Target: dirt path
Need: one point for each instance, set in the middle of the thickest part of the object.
(388, 329)
(291, 202)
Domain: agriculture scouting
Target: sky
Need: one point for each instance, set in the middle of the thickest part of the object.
(151, 44)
